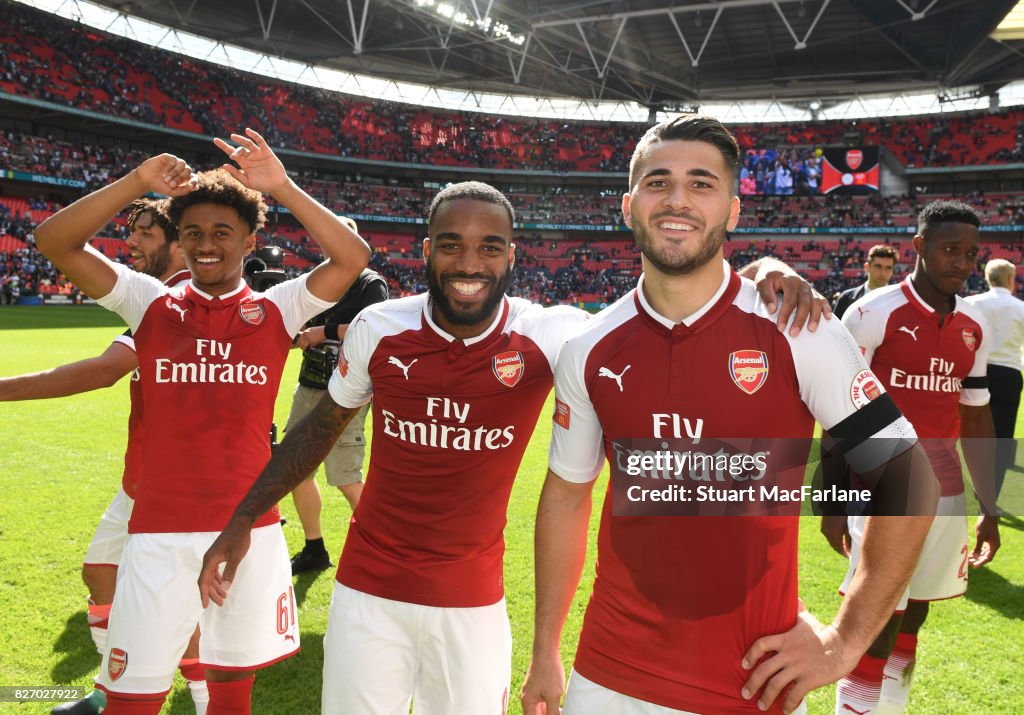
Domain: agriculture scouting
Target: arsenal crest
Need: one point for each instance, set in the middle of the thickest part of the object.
(252, 313)
(970, 338)
(854, 157)
(864, 388)
(748, 370)
(343, 364)
(509, 367)
(117, 663)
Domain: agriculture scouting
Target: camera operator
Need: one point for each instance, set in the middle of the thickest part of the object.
(320, 342)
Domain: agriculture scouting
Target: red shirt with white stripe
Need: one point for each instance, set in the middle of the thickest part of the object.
(451, 420)
(133, 453)
(928, 364)
(210, 369)
(677, 601)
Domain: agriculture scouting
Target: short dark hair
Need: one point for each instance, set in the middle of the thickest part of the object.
(219, 187)
(689, 127)
(476, 190)
(158, 208)
(882, 251)
(946, 212)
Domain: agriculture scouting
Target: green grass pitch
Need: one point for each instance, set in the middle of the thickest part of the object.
(60, 463)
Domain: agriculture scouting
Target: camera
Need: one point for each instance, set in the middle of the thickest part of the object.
(265, 268)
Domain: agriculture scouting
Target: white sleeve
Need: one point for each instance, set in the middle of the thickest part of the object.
(577, 439)
(559, 325)
(127, 339)
(350, 385)
(978, 396)
(847, 398)
(867, 328)
(296, 303)
(132, 295)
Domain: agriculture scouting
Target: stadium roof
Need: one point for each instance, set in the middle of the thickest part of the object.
(654, 52)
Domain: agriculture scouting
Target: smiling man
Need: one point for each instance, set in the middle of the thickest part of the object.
(153, 249)
(210, 361)
(458, 377)
(699, 614)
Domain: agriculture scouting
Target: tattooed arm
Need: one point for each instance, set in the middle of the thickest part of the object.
(303, 449)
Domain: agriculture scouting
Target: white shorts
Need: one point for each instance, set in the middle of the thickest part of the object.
(108, 542)
(585, 697)
(343, 465)
(381, 654)
(156, 608)
(941, 570)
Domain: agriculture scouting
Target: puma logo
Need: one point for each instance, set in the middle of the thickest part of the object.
(859, 712)
(861, 312)
(398, 363)
(178, 309)
(289, 637)
(908, 331)
(605, 372)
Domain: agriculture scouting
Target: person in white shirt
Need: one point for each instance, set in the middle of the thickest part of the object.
(1005, 316)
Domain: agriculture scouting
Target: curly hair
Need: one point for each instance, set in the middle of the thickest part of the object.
(218, 187)
(158, 208)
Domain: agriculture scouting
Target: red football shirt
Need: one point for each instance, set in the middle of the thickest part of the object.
(133, 453)
(210, 369)
(451, 420)
(928, 365)
(678, 600)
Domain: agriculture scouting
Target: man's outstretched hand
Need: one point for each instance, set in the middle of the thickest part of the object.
(258, 166)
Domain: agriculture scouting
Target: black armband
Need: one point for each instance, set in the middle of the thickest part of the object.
(331, 331)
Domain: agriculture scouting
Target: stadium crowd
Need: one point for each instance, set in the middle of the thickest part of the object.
(40, 57)
(547, 271)
(555, 205)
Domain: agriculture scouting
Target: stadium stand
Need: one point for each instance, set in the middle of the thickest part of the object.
(40, 58)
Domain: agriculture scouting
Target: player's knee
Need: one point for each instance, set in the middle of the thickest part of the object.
(228, 676)
(100, 581)
(885, 641)
(915, 616)
(352, 492)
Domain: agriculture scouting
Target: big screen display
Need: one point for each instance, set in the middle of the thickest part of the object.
(808, 171)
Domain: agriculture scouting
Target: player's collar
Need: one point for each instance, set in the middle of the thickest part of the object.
(499, 320)
(691, 320)
(914, 298)
(179, 277)
(232, 297)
